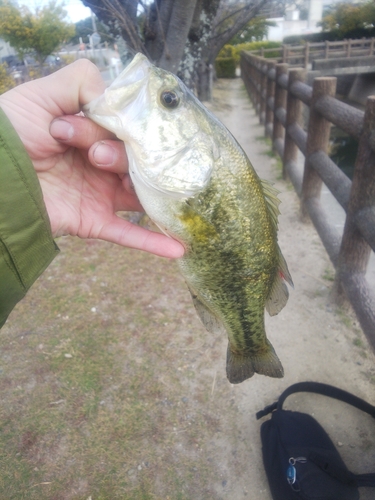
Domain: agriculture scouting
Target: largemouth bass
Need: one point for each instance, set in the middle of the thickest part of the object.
(196, 183)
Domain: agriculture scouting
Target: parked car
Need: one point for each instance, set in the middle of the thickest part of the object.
(52, 60)
(12, 61)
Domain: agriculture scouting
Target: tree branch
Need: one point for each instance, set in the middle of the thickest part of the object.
(218, 40)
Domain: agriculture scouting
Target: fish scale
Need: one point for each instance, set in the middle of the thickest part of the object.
(196, 183)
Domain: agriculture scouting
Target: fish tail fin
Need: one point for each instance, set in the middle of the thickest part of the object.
(240, 367)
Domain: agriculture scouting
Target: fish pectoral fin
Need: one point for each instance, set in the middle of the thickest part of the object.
(208, 318)
(279, 294)
(242, 367)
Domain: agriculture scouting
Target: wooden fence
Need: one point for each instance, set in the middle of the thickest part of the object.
(278, 94)
(303, 55)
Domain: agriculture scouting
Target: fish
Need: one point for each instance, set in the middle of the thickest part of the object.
(197, 185)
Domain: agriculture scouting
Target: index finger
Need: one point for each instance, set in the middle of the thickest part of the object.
(78, 131)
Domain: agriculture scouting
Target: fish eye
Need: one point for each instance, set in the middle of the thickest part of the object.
(169, 99)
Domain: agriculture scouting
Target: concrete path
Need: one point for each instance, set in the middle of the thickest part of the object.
(314, 340)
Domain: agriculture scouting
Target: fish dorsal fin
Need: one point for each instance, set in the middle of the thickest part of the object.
(273, 202)
(279, 294)
(208, 318)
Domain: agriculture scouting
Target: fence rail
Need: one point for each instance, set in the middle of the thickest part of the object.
(278, 92)
(303, 55)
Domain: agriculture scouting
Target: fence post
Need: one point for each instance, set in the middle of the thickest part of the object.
(355, 252)
(307, 54)
(253, 77)
(248, 62)
(263, 91)
(270, 96)
(326, 49)
(280, 102)
(246, 75)
(349, 48)
(285, 53)
(258, 87)
(317, 140)
(293, 116)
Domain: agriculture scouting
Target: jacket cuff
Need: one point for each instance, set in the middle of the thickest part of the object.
(26, 243)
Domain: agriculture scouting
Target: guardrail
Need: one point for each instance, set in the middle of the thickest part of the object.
(278, 94)
(302, 55)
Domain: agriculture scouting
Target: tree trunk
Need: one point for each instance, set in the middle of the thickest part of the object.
(178, 29)
(181, 36)
(205, 81)
(194, 68)
(156, 27)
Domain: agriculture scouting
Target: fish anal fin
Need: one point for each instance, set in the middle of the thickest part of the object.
(284, 271)
(211, 322)
(279, 294)
(241, 367)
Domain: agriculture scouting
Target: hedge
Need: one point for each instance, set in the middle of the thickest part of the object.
(225, 67)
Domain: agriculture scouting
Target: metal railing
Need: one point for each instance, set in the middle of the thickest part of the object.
(278, 94)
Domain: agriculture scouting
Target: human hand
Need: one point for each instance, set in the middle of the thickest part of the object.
(82, 169)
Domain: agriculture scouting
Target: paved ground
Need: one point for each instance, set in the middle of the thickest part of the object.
(314, 340)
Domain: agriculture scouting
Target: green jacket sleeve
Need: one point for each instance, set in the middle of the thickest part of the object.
(26, 243)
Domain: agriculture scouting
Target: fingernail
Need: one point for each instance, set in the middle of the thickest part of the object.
(104, 155)
(61, 130)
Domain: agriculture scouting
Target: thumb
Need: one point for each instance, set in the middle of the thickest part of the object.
(69, 88)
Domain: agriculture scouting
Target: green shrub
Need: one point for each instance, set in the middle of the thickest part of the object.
(331, 36)
(6, 81)
(227, 51)
(225, 67)
(235, 50)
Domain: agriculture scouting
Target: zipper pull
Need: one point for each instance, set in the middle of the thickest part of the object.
(291, 473)
(293, 460)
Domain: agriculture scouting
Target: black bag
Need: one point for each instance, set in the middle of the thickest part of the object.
(300, 460)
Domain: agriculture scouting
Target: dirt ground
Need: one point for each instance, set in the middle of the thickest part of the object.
(315, 340)
(112, 389)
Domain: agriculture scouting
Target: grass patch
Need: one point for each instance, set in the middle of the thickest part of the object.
(329, 274)
(271, 154)
(104, 383)
(358, 343)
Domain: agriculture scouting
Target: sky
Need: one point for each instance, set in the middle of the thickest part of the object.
(75, 8)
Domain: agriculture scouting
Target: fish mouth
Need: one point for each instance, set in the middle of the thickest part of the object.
(124, 90)
(128, 84)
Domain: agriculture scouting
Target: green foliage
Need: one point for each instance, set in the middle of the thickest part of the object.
(225, 67)
(339, 22)
(311, 38)
(255, 30)
(350, 21)
(6, 81)
(235, 50)
(39, 34)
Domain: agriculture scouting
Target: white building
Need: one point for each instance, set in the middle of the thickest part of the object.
(5, 49)
(291, 24)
